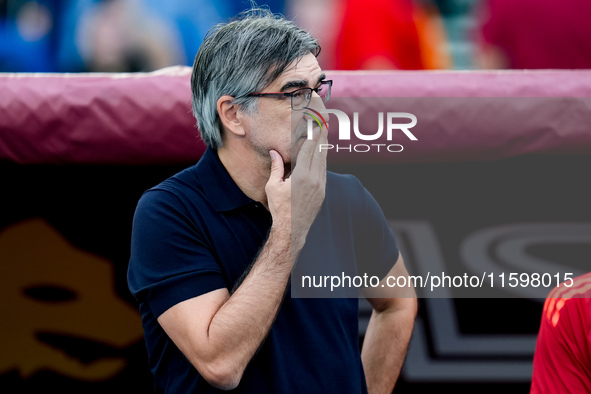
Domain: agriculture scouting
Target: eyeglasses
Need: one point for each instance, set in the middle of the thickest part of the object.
(300, 98)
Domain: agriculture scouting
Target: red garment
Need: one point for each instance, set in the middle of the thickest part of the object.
(539, 33)
(562, 361)
(378, 29)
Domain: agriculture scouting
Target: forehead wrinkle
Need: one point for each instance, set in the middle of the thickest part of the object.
(300, 81)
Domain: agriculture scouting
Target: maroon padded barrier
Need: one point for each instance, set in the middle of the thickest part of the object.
(142, 118)
(145, 118)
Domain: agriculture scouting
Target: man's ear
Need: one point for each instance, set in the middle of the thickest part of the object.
(230, 116)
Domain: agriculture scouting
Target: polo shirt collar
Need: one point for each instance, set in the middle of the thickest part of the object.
(219, 187)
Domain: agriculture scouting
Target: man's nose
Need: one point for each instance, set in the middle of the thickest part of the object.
(317, 107)
(315, 118)
(316, 102)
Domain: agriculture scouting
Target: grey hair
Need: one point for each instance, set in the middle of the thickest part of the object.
(242, 57)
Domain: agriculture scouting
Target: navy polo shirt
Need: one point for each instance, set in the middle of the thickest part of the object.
(197, 232)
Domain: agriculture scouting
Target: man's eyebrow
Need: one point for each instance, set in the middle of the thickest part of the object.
(294, 84)
(300, 83)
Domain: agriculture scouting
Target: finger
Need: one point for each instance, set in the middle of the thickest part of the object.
(319, 157)
(277, 168)
(307, 149)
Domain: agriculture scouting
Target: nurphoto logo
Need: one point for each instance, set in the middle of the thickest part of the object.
(392, 125)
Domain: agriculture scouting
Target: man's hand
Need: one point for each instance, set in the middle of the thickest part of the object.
(295, 201)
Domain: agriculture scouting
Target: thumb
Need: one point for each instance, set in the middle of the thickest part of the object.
(277, 168)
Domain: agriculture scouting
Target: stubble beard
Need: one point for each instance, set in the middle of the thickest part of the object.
(262, 149)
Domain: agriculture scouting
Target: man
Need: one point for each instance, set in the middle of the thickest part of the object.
(213, 247)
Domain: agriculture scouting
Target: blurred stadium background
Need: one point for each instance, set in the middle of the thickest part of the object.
(144, 35)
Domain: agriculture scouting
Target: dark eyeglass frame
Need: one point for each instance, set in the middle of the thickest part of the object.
(292, 94)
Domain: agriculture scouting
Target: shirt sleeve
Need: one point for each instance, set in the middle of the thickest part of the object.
(170, 258)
